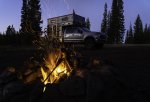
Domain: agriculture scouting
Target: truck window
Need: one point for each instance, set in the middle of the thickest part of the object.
(79, 31)
(86, 30)
(70, 30)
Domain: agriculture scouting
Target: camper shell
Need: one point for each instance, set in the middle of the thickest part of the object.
(56, 25)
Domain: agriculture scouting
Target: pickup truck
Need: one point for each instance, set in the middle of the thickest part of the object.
(84, 36)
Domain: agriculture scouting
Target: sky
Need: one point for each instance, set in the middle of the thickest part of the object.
(10, 11)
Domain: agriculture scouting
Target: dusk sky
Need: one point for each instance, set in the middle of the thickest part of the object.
(10, 11)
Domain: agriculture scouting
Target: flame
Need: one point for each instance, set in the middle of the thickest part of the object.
(53, 72)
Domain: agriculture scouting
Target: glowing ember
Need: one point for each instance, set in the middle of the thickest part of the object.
(56, 67)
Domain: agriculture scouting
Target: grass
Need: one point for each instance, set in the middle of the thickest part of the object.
(14, 56)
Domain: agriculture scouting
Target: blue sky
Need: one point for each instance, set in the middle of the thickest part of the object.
(10, 11)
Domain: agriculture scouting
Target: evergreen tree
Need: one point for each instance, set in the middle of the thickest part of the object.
(25, 35)
(117, 29)
(24, 17)
(146, 34)
(30, 21)
(108, 24)
(87, 23)
(121, 21)
(138, 30)
(35, 16)
(114, 24)
(129, 36)
(104, 21)
(10, 30)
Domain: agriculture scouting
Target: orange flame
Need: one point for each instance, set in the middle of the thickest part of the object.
(55, 71)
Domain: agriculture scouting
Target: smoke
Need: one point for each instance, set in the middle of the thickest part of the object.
(67, 4)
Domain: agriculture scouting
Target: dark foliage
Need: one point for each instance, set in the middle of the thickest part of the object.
(87, 23)
(11, 37)
(30, 21)
(138, 30)
(105, 20)
(129, 35)
(116, 34)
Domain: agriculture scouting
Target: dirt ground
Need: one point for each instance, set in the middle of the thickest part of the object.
(131, 65)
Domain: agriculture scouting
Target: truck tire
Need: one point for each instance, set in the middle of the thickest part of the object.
(89, 43)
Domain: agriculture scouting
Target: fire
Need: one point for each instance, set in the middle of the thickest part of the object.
(56, 67)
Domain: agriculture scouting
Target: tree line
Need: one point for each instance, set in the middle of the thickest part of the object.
(113, 25)
(10, 37)
(30, 25)
(137, 33)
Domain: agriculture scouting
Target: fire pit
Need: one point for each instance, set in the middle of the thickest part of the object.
(56, 66)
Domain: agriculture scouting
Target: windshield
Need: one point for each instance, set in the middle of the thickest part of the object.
(86, 30)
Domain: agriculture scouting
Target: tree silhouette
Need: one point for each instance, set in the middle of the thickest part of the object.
(10, 30)
(114, 24)
(35, 19)
(87, 23)
(104, 21)
(117, 28)
(129, 35)
(30, 21)
(146, 34)
(121, 21)
(138, 30)
(108, 24)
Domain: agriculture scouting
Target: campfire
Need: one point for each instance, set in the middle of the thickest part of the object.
(56, 67)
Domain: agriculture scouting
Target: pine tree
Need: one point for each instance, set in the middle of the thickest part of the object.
(129, 36)
(114, 24)
(121, 20)
(145, 34)
(87, 23)
(138, 30)
(10, 30)
(104, 21)
(35, 19)
(108, 24)
(30, 21)
(24, 17)
(117, 29)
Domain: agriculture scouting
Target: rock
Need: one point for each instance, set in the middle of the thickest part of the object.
(7, 77)
(73, 86)
(54, 94)
(11, 89)
(37, 92)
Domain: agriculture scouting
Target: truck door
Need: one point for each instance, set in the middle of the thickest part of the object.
(78, 35)
(69, 34)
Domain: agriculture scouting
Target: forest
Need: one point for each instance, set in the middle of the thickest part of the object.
(112, 24)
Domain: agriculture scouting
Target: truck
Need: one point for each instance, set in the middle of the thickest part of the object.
(71, 29)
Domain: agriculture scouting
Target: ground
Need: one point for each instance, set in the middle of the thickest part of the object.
(130, 62)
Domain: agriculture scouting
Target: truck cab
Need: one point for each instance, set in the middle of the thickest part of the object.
(84, 36)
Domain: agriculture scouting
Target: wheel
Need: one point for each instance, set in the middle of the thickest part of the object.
(89, 43)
